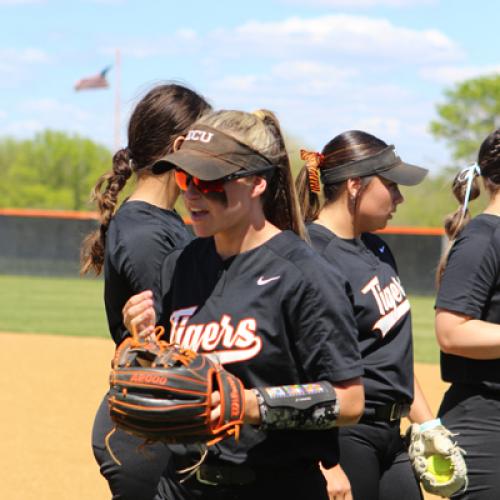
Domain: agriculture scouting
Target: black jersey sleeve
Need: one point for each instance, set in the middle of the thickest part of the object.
(470, 274)
(322, 324)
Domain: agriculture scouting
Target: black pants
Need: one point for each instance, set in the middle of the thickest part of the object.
(374, 458)
(142, 466)
(474, 414)
(272, 483)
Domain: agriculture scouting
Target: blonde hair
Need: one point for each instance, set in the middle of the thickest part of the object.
(261, 131)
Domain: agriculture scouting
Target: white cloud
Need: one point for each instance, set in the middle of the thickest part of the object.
(22, 128)
(452, 74)
(384, 126)
(307, 69)
(333, 36)
(53, 107)
(28, 55)
(184, 39)
(360, 3)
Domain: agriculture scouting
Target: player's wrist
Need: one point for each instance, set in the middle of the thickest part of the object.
(252, 409)
(430, 424)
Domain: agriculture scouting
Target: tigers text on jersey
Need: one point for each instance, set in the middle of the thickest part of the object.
(470, 286)
(275, 315)
(139, 237)
(381, 309)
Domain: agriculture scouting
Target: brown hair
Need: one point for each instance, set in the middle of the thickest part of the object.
(489, 163)
(261, 131)
(163, 114)
(346, 147)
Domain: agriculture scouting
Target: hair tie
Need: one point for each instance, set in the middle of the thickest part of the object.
(467, 175)
(313, 163)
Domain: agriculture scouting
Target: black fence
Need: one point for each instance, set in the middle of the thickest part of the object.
(49, 245)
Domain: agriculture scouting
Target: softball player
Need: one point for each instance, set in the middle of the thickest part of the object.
(131, 245)
(253, 292)
(360, 176)
(468, 324)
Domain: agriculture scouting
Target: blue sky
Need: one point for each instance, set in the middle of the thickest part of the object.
(324, 66)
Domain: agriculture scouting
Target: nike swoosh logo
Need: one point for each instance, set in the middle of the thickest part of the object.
(261, 281)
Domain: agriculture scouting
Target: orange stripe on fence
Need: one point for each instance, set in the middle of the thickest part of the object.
(50, 214)
(425, 231)
(73, 214)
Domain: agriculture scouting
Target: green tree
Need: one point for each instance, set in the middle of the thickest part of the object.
(470, 113)
(52, 170)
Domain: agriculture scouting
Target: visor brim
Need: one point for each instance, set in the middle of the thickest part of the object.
(206, 168)
(405, 174)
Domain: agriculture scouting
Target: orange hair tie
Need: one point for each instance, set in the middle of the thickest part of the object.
(313, 163)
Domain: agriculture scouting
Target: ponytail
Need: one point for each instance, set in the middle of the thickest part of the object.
(162, 115)
(308, 184)
(92, 251)
(465, 188)
(281, 206)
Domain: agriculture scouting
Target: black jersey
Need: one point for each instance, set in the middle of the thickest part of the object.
(275, 315)
(138, 239)
(381, 309)
(471, 286)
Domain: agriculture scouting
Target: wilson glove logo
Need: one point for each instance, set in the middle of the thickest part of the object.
(232, 343)
(391, 301)
(148, 378)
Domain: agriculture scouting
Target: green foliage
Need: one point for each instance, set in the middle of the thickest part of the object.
(428, 203)
(470, 113)
(52, 170)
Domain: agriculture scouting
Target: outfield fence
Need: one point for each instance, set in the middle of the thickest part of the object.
(47, 243)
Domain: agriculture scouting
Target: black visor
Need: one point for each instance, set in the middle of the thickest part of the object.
(385, 163)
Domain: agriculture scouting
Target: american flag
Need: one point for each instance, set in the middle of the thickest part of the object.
(94, 82)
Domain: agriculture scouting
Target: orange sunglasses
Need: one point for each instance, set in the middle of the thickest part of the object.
(183, 179)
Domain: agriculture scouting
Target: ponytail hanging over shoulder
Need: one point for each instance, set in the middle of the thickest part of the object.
(313, 163)
(465, 188)
(467, 175)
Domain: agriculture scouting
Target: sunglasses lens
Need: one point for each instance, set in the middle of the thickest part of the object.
(205, 187)
(182, 180)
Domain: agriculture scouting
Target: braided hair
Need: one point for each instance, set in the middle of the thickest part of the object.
(162, 115)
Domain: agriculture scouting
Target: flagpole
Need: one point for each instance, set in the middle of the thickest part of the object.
(117, 99)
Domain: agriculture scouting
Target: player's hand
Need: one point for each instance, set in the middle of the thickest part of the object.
(139, 314)
(252, 412)
(337, 483)
(215, 406)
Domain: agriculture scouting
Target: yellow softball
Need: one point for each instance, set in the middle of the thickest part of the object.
(440, 467)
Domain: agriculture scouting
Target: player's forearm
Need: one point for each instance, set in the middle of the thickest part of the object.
(313, 406)
(466, 337)
(420, 410)
(351, 397)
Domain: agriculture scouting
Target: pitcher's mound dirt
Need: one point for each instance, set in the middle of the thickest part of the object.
(51, 387)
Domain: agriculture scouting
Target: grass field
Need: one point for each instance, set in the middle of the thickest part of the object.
(75, 307)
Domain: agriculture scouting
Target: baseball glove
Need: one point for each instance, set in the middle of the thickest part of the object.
(162, 392)
(437, 460)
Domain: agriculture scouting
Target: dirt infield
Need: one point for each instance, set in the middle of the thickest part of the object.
(50, 390)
